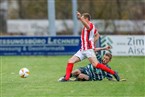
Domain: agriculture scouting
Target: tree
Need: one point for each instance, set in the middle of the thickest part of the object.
(3, 16)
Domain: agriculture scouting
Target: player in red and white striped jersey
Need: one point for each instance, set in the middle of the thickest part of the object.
(89, 37)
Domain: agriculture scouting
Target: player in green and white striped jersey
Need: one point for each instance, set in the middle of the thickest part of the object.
(90, 73)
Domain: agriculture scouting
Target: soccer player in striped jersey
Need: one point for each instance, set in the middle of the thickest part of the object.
(89, 73)
(89, 36)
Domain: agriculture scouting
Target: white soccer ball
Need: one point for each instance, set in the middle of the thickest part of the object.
(24, 72)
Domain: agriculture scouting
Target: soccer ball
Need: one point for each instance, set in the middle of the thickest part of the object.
(24, 72)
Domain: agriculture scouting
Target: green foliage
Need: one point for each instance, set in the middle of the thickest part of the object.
(99, 9)
(45, 71)
(33, 9)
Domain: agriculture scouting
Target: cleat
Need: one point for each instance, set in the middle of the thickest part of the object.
(116, 76)
(62, 79)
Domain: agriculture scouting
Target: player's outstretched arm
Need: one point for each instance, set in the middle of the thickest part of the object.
(81, 18)
(105, 48)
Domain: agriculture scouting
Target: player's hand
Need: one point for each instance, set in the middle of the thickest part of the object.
(108, 47)
(78, 15)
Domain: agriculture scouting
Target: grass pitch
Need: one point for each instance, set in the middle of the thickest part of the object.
(45, 71)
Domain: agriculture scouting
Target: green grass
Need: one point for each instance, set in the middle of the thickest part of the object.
(45, 71)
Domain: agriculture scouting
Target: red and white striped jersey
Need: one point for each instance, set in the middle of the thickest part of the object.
(87, 37)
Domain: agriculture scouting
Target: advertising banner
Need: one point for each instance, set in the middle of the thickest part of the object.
(122, 45)
(125, 45)
(62, 45)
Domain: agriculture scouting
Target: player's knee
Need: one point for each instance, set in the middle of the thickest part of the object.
(76, 72)
(70, 61)
(73, 59)
(95, 64)
(80, 76)
(83, 77)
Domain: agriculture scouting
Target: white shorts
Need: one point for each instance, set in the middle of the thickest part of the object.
(85, 54)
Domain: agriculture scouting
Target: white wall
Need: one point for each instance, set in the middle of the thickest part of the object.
(40, 27)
